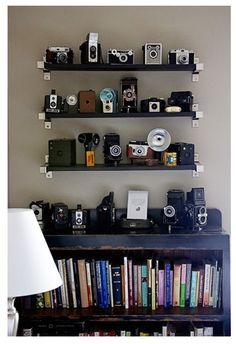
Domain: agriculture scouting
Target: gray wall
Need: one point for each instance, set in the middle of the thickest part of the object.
(206, 30)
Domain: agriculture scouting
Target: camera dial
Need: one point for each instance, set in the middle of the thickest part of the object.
(115, 150)
(169, 211)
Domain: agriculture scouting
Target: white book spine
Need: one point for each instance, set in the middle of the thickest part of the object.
(126, 282)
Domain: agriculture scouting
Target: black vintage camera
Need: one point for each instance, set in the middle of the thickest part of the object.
(129, 94)
(90, 140)
(53, 103)
(59, 55)
(120, 56)
(196, 211)
(185, 152)
(91, 49)
(78, 218)
(60, 217)
(181, 56)
(184, 99)
(42, 212)
(173, 212)
(112, 150)
(106, 213)
(153, 105)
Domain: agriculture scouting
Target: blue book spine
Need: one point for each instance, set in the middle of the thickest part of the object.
(99, 283)
(144, 276)
(167, 286)
(193, 289)
(116, 283)
(104, 284)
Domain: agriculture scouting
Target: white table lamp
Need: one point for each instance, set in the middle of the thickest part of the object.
(31, 268)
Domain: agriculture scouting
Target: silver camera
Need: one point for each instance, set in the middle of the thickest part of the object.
(152, 53)
(181, 56)
(92, 47)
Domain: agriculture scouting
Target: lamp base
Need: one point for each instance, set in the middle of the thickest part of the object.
(13, 317)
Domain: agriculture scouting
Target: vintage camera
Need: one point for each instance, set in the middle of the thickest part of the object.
(91, 49)
(129, 92)
(139, 150)
(62, 152)
(196, 211)
(181, 56)
(42, 212)
(60, 218)
(78, 218)
(152, 53)
(70, 104)
(53, 103)
(59, 55)
(109, 100)
(174, 211)
(90, 141)
(106, 213)
(153, 105)
(184, 99)
(112, 150)
(87, 101)
(120, 56)
(185, 152)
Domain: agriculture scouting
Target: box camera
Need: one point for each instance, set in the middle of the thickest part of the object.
(91, 49)
(139, 150)
(185, 152)
(120, 56)
(62, 152)
(106, 213)
(196, 211)
(181, 56)
(173, 212)
(109, 100)
(42, 212)
(59, 55)
(90, 140)
(60, 215)
(129, 92)
(112, 150)
(153, 105)
(78, 218)
(70, 103)
(184, 99)
(152, 53)
(87, 101)
(53, 103)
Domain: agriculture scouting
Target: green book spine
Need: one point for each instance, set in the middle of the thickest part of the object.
(183, 285)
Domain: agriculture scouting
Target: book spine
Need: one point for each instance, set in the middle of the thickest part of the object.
(139, 286)
(89, 284)
(99, 283)
(206, 285)
(211, 287)
(171, 286)
(219, 302)
(153, 288)
(130, 283)
(83, 283)
(188, 283)
(135, 284)
(149, 282)
(69, 283)
(122, 272)
(176, 289)
(65, 282)
(144, 275)
(74, 296)
(157, 282)
(108, 283)
(94, 282)
(111, 287)
(77, 285)
(197, 288)
(126, 282)
(167, 295)
(201, 286)
(183, 285)
(47, 300)
(104, 284)
(214, 285)
(117, 287)
(217, 290)
(161, 287)
(193, 289)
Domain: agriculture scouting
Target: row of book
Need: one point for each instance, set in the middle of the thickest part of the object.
(193, 329)
(156, 283)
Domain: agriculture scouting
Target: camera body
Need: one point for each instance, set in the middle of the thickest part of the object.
(184, 151)
(120, 56)
(112, 150)
(153, 105)
(181, 56)
(60, 217)
(173, 212)
(62, 152)
(70, 104)
(78, 218)
(184, 99)
(109, 100)
(152, 53)
(139, 150)
(129, 93)
(106, 213)
(53, 103)
(87, 101)
(59, 55)
(91, 49)
(196, 211)
(42, 212)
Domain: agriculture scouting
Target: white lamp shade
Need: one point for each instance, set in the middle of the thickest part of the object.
(31, 268)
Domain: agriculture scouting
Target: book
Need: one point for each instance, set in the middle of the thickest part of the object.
(126, 283)
(149, 282)
(161, 286)
(144, 276)
(197, 288)
(214, 285)
(111, 287)
(135, 283)
(104, 284)
(70, 268)
(83, 283)
(153, 288)
(176, 285)
(47, 299)
(99, 283)
(201, 286)
(130, 282)
(206, 289)
(193, 289)
(188, 283)
(122, 271)
(139, 281)
(65, 282)
(62, 287)
(89, 283)
(157, 282)
(117, 287)
(108, 283)
(183, 285)
(94, 281)
(219, 302)
(167, 285)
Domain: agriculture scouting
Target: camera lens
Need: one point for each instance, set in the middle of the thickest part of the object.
(202, 210)
(153, 54)
(154, 106)
(36, 212)
(183, 59)
(123, 58)
(62, 57)
(139, 151)
(107, 107)
(169, 211)
(115, 150)
(53, 104)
